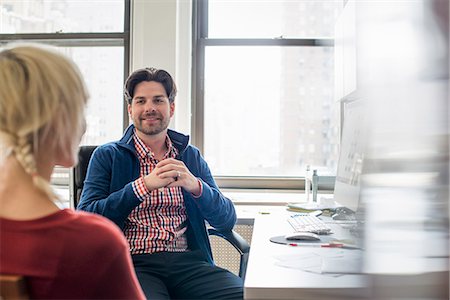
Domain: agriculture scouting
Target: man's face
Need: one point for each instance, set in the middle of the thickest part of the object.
(150, 109)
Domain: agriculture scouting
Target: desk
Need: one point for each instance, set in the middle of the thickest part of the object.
(266, 280)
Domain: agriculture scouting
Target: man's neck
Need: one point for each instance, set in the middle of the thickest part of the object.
(155, 142)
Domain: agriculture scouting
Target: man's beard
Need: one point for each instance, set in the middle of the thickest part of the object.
(154, 129)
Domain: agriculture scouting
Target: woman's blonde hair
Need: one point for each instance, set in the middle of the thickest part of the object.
(42, 98)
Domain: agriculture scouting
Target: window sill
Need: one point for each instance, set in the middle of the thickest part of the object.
(250, 203)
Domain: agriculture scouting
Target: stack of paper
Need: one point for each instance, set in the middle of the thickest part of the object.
(310, 207)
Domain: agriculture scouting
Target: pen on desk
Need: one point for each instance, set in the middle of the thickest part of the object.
(305, 245)
(328, 245)
(332, 245)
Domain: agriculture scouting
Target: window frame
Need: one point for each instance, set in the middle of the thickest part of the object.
(60, 175)
(200, 41)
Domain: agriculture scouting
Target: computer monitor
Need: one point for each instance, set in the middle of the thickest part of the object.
(351, 157)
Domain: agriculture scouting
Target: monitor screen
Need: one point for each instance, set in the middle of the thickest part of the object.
(351, 156)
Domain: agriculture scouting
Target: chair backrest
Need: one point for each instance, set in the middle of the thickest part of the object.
(79, 172)
(13, 287)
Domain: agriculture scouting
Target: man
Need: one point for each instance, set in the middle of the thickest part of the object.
(160, 191)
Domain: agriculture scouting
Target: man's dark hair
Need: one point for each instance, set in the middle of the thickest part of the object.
(150, 74)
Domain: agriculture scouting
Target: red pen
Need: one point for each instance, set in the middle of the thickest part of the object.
(308, 245)
(328, 245)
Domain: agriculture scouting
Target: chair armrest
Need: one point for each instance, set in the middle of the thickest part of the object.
(233, 238)
(238, 243)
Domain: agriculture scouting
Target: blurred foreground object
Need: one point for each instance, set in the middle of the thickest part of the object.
(402, 75)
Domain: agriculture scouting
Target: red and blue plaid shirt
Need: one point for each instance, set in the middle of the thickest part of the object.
(159, 222)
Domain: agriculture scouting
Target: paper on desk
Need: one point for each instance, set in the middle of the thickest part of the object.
(310, 261)
(350, 263)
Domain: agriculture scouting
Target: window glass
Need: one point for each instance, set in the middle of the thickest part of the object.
(61, 16)
(104, 114)
(104, 80)
(270, 19)
(269, 111)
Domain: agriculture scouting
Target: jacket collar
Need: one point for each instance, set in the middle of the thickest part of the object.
(179, 140)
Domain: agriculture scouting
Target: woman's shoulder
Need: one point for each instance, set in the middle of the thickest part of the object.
(93, 227)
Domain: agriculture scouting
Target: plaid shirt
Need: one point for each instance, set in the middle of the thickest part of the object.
(159, 222)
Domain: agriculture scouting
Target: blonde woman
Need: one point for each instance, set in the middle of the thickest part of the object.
(61, 253)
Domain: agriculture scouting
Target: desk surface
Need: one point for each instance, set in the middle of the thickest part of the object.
(266, 279)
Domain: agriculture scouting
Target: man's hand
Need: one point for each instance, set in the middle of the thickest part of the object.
(172, 172)
(153, 181)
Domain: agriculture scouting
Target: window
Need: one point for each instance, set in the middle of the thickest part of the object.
(264, 90)
(95, 34)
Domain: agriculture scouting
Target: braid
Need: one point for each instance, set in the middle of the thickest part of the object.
(24, 155)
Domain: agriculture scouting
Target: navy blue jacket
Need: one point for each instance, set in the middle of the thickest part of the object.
(114, 166)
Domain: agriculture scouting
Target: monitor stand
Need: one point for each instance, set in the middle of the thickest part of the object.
(343, 214)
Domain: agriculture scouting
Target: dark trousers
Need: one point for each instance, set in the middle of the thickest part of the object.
(184, 275)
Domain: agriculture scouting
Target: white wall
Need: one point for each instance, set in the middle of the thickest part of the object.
(161, 37)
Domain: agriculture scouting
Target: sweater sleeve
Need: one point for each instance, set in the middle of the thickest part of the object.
(97, 196)
(217, 209)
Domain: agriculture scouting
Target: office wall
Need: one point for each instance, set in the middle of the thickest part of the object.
(161, 37)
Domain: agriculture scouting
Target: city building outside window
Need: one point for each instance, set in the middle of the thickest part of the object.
(264, 90)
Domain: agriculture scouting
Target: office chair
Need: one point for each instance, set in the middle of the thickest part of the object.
(13, 287)
(78, 175)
